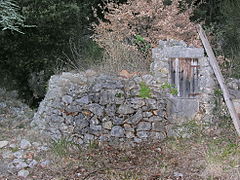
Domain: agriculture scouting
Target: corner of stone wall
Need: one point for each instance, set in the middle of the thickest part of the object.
(207, 84)
(96, 107)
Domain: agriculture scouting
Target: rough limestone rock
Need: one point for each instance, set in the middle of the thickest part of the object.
(24, 144)
(125, 109)
(117, 131)
(86, 107)
(3, 144)
(23, 173)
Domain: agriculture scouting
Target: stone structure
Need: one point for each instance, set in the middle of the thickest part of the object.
(234, 91)
(88, 106)
(199, 105)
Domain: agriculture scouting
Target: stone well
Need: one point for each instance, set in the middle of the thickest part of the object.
(188, 70)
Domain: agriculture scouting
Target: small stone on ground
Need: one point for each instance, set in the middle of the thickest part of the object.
(3, 144)
(23, 173)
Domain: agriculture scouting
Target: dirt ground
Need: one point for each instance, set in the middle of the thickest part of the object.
(210, 157)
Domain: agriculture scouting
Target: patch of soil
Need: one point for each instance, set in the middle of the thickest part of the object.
(196, 158)
(215, 157)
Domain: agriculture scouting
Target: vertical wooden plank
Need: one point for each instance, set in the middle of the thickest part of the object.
(181, 77)
(192, 83)
(177, 75)
(196, 87)
(194, 66)
(190, 78)
(185, 77)
(172, 70)
(217, 71)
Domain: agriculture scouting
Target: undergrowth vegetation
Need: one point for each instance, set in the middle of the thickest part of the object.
(200, 156)
(145, 91)
(106, 35)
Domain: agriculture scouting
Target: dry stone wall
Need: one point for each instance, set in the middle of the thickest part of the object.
(234, 91)
(88, 106)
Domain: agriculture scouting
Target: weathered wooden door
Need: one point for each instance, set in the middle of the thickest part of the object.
(184, 76)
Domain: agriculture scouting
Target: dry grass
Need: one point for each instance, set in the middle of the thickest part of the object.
(115, 57)
(119, 57)
(215, 157)
(192, 158)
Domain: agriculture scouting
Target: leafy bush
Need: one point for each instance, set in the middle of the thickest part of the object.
(145, 91)
(151, 20)
(231, 34)
(142, 45)
(43, 47)
(169, 88)
(221, 20)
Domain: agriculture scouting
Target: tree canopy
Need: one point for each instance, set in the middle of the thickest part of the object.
(10, 19)
(61, 33)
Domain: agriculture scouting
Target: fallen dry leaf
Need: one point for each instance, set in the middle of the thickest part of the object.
(126, 74)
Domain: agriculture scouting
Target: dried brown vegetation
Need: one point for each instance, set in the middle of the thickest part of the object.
(150, 19)
(130, 31)
(119, 57)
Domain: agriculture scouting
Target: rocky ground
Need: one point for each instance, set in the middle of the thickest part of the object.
(25, 154)
(21, 153)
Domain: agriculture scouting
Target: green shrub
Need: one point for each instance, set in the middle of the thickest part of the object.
(63, 147)
(145, 91)
(45, 46)
(170, 88)
(142, 44)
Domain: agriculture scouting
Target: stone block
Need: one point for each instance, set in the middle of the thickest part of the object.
(147, 114)
(96, 127)
(88, 138)
(137, 102)
(83, 100)
(136, 117)
(117, 131)
(130, 134)
(142, 134)
(125, 109)
(144, 126)
(107, 97)
(81, 124)
(178, 52)
(110, 110)
(182, 109)
(128, 127)
(158, 126)
(157, 135)
(96, 109)
(94, 121)
(117, 121)
(155, 118)
(67, 99)
(107, 125)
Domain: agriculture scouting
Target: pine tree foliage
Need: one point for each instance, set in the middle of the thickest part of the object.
(9, 16)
